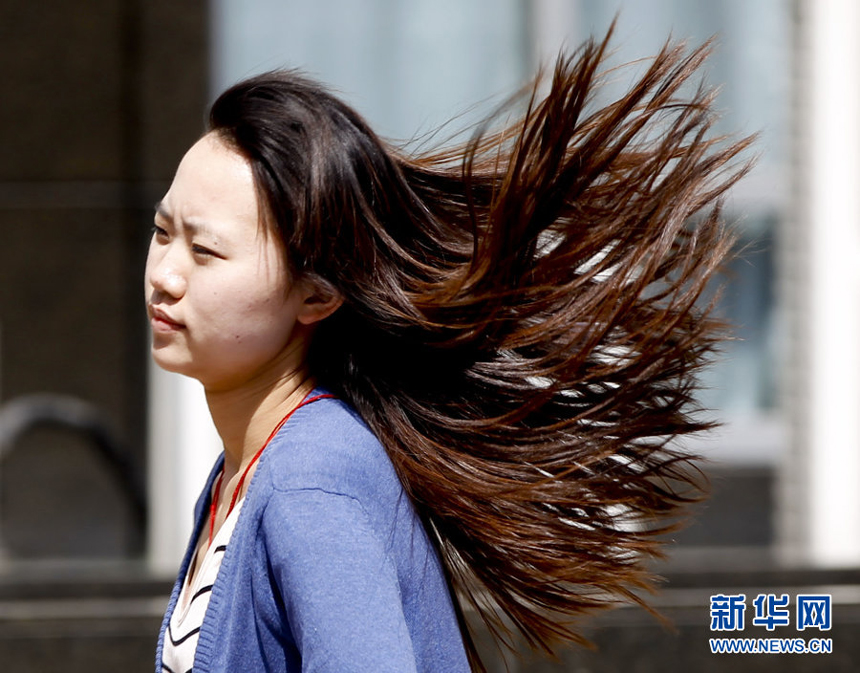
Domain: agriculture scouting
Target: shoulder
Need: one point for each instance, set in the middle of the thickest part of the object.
(325, 445)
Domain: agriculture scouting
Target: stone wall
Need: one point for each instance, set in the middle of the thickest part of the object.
(99, 100)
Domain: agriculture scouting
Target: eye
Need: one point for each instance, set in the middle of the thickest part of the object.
(159, 233)
(202, 251)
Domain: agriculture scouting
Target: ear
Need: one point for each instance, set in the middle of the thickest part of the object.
(319, 300)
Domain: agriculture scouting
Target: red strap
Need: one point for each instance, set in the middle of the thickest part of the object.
(214, 505)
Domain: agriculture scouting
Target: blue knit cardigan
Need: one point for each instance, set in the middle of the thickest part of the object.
(329, 569)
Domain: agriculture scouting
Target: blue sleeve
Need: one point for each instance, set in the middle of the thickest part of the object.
(338, 584)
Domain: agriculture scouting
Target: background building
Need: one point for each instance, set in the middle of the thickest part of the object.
(100, 100)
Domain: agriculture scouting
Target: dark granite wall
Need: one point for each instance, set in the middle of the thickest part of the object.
(98, 100)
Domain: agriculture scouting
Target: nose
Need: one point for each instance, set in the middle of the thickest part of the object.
(164, 275)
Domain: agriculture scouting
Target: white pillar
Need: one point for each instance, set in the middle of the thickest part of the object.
(183, 444)
(553, 25)
(829, 476)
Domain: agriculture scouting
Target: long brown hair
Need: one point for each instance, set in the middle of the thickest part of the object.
(522, 321)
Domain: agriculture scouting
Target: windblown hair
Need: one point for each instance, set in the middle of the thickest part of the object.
(522, 322)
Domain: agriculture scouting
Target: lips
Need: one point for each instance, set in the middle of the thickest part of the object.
(162, 322)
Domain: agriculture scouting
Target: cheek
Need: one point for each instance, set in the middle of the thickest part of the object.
(250, 342)
(240, 315)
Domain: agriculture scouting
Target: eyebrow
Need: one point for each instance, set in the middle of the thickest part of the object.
(162, 211)
(192, 227)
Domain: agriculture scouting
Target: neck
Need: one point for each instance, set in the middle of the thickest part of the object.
(246, 416)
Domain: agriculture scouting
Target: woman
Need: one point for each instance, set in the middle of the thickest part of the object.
(438, 379)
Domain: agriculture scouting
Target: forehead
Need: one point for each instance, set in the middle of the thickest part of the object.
(213, 188)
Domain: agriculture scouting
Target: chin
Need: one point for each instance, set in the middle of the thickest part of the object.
(170, 363)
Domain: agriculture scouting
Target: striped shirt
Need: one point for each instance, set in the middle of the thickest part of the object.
(183, 630)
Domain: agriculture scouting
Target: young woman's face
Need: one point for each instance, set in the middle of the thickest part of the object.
(217, 289)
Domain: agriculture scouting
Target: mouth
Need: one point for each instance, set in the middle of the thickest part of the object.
(161, 321)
